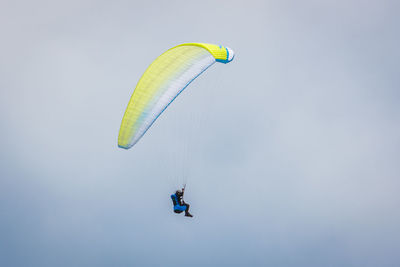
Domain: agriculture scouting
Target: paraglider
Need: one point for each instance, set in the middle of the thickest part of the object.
(161, 83)
(179, 203)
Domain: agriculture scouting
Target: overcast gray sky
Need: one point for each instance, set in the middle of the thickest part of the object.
(293, 153)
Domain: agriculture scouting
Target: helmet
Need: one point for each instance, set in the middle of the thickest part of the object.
(178, 192)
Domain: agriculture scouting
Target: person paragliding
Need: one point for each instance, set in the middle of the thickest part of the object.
(179, 203)
(165, 78)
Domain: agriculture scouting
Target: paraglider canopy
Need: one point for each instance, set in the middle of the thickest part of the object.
(162, 82)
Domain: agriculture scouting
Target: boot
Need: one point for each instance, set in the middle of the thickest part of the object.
(188, 214)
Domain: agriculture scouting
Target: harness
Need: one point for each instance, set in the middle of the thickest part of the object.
(175, 199)
(178, 208)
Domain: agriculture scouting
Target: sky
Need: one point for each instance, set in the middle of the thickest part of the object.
(291, 151)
